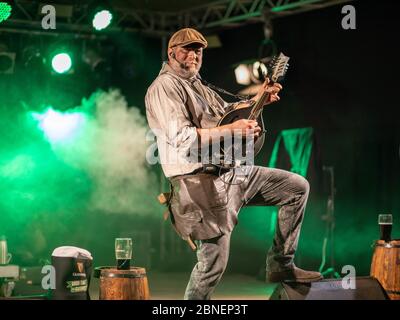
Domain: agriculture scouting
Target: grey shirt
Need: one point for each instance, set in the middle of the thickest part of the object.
(167, 101)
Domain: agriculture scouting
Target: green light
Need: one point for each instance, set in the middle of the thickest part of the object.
(102, 19)
(19, 167)
(5, 11)
(61, 62)
(59, 126)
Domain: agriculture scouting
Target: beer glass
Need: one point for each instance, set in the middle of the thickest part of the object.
(5, 256)
(385, 225)
(123, 253)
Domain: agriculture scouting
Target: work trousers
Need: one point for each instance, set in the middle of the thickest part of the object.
(253, 185)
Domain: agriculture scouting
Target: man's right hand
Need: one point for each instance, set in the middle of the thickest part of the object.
(247, 127)
(242, 126)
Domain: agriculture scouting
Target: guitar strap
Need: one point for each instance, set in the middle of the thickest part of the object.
(192, 114)
(205, 94)
(211, 86)
(197, 87)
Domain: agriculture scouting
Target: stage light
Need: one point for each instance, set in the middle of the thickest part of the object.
(242, 74)
(5, 11)
(102, 19)
(259, 71)
(252, 71)
(32, 58)
(61, 62)
(7, 62)
(58, 126)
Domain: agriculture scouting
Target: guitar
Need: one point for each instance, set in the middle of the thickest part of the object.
(233, 151)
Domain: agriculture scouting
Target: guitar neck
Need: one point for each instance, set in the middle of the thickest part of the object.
(279, 65)
(257, 108)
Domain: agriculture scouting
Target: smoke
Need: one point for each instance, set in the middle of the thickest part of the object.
(68, 176)
(110, 148)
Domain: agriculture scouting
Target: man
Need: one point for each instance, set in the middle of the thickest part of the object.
(205, 204)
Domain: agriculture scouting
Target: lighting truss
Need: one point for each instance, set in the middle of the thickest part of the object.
(212, 15)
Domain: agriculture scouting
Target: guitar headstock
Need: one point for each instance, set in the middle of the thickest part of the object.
(278, 67)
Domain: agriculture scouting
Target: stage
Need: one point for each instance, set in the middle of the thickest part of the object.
(171, 286)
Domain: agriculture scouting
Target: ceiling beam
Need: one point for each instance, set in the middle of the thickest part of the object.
(215, 15)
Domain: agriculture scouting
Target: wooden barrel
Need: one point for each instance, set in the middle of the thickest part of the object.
(122, 284)
(385, 266)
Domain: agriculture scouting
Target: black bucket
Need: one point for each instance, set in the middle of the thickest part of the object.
(73, 269)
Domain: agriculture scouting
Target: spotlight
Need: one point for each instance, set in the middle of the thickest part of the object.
(242, 74)
(5, 11)
(61, 62)
(58, 126)
(101, 14)
(32, 58)
(7, 62)
(251, 71)
(259, 72)
(102, 19)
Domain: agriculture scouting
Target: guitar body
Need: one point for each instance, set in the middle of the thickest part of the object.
(244, 113)
(236, 150)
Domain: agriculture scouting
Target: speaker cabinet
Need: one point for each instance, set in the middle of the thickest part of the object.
(366, 288)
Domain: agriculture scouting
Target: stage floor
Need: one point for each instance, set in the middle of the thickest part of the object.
(171, 286)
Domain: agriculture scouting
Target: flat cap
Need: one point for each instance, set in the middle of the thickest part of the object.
(186, 36)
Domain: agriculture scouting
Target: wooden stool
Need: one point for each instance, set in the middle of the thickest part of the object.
(122, 284)
(385, 266)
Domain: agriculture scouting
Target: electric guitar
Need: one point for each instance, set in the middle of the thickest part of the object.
(234, 151)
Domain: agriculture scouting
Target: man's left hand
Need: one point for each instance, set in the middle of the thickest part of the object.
(272, 89)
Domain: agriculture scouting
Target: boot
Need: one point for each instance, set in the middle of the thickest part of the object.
(294, 274)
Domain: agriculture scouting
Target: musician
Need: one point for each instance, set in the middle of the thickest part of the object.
(205, 202)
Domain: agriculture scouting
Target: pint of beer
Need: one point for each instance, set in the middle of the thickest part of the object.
(123, 253)
(385, 225)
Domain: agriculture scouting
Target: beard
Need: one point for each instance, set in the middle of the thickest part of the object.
(183, 70)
